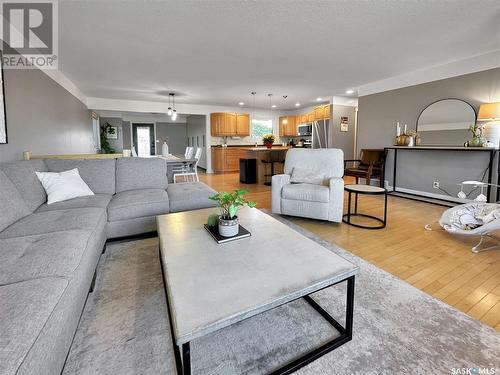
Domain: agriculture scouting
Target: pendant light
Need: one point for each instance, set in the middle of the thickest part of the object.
(174, 111)
(169, 110)
(253, 105)
(285, 120)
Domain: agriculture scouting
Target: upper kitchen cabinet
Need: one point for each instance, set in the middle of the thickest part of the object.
(288, 126)
(243, 124)
(310, 117)
(326, 110)
(223, 124)
(319, 113)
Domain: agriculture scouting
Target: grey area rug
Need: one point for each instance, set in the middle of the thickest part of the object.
(397, 328)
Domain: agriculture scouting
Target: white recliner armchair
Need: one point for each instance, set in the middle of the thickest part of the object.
(322, 199)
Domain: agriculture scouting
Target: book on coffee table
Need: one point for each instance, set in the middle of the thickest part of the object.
(214, 231)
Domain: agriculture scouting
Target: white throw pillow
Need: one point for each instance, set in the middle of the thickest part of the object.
(63, 185)
(307, 176)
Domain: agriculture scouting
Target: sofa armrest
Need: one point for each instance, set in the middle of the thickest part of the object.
(278, 181)
(336, 205)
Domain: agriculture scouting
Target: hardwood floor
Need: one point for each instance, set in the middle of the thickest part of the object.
(433, 261)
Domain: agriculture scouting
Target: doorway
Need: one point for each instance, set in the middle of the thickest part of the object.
(143, 138)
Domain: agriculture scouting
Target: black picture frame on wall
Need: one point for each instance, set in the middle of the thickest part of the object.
(4, 139)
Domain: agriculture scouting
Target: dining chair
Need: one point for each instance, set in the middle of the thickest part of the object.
(191, 173)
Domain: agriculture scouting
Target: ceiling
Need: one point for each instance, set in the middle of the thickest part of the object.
(216, 52)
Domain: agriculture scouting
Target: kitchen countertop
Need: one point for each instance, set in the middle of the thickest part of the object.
(258, 148)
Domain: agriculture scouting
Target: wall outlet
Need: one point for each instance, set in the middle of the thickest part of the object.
(435, 184)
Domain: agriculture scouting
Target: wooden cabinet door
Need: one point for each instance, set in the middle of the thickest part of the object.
(291, 129)
(217, 124)
(243, 124)
(310, 117)
(283, 125)
(231, 159)
(326, 111)
(303, 118)
(217, 160)
(319, 112)
(229, 124)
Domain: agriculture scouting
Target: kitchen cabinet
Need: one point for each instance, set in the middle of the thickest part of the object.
(326, 111)
(310, 117)
(226, 159)
(243, 124)
(223, 124)
(288, 128)
(319, 113)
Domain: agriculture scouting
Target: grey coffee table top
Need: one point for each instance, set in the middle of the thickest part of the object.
(211, 286)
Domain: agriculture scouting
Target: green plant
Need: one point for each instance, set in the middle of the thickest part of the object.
(230, 203)
(213, 220)
(268, 138)
(476, 130)
(105, 146)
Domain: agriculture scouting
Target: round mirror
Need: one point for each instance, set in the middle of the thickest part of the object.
(446, 123)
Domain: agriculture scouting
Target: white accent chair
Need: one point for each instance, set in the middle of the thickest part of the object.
(323, 202)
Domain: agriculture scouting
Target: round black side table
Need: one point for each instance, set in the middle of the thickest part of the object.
(364, 190)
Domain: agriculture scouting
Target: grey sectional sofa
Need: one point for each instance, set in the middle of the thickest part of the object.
(49, 253)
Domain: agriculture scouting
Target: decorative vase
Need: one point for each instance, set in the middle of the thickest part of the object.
(228, 227)
(164, 149)
(268, 144)
(476, 142)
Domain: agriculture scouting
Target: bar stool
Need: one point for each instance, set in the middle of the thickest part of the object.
(273, 158)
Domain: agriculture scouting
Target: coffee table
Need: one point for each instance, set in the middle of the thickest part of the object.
(211, 286)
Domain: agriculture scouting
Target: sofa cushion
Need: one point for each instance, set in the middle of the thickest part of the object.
(98, 174)
(190, 196)
(22, 174)
(140, 173)
(56, 221)
(12, 205)
(306, 192)
(96, 200)
(138, 203)
(42, 255)
(26, 308)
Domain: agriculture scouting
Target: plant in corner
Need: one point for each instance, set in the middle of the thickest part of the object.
(268, 140)
(105, 146)
(229, 204)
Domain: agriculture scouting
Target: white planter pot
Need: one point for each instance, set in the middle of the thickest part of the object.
(228, 228)
(164, 149)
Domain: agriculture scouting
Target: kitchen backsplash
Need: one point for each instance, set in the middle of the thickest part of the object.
(241, 141)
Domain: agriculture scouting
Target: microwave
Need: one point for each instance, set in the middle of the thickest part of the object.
(304, 129)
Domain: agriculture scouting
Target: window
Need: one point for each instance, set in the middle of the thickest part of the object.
(261, 127)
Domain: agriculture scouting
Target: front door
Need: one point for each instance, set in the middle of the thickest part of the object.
(144, 139)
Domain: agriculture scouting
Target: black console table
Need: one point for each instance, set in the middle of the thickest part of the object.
(491, 150)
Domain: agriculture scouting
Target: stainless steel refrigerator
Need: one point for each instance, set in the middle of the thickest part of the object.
(321, 134)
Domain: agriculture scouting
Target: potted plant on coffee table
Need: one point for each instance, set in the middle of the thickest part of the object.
(229, 204)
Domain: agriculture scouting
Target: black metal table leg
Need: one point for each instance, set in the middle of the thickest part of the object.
(355, 203)
(186, 359)
(345, 332)
(349, 209)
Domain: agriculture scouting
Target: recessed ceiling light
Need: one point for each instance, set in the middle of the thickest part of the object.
(297, 104)
(349, 92)
(273, 106)
(241, 103)
(318, 99)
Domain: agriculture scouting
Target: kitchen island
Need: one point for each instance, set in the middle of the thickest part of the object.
(227, 159)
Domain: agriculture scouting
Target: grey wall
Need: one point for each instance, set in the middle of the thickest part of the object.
(196, 131)
(378, 114)
(42, 117)
(127, 135)
(117, 144)
(343, 140)
(176, 133)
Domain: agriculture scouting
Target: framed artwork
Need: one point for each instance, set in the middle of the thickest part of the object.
(112, 132)
(344, 124)
(3, 120)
